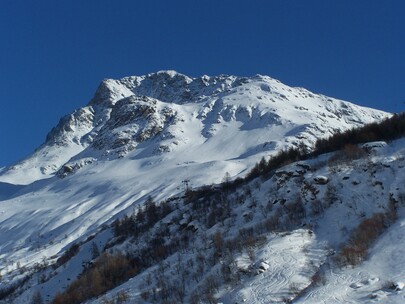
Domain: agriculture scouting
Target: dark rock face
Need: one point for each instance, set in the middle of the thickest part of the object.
(62, 134)
(133, 120)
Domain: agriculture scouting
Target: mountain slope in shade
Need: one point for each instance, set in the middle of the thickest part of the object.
(167, 113)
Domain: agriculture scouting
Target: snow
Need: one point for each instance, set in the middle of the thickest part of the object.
(282, 267)
(370, 282)
(207, 126)
(255, 115)
(286, 263)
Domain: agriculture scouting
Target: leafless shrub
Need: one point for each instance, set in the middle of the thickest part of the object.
(107, 301)
(316, 207)
(67, 255)
(356, 249)
(348, 153)
(36, 298)
(107, 272)
(294, 289)
(121, 297)
(318, 278)
(145, 295)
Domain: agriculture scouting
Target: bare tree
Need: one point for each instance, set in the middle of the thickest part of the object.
(36, 298)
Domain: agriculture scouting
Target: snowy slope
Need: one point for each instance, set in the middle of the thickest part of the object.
(282, 264)
(145, 135)
(282, 267)
(170, 113)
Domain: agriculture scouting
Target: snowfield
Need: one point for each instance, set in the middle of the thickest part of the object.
(286, 262)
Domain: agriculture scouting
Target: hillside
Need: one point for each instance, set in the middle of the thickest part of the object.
(164, 136)
(328, 229)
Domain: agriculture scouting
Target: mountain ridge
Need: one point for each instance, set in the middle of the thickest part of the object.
(159, 106)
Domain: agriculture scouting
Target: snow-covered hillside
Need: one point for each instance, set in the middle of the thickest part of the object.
(275, 239)
(235, 120)
(155, 135)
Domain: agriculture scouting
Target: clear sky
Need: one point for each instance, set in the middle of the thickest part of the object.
(53, 54)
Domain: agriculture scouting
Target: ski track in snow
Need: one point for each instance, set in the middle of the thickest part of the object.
(288, 266)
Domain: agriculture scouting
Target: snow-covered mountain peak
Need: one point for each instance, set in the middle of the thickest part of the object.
(170, 112)
(108, 92)
(171, 74)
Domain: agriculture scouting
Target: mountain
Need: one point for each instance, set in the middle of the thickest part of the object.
(149, 136)
(167, 113)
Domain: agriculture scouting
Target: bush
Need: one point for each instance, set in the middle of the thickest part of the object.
(121, 297)
(141, 220)
(67, 255)
(36, 298)
(107, 272)
(348, 153)
(318, 278)
(387, 130)
(356, 249)
(9, 290)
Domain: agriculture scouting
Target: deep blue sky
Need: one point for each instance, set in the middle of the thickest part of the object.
(53, 54)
